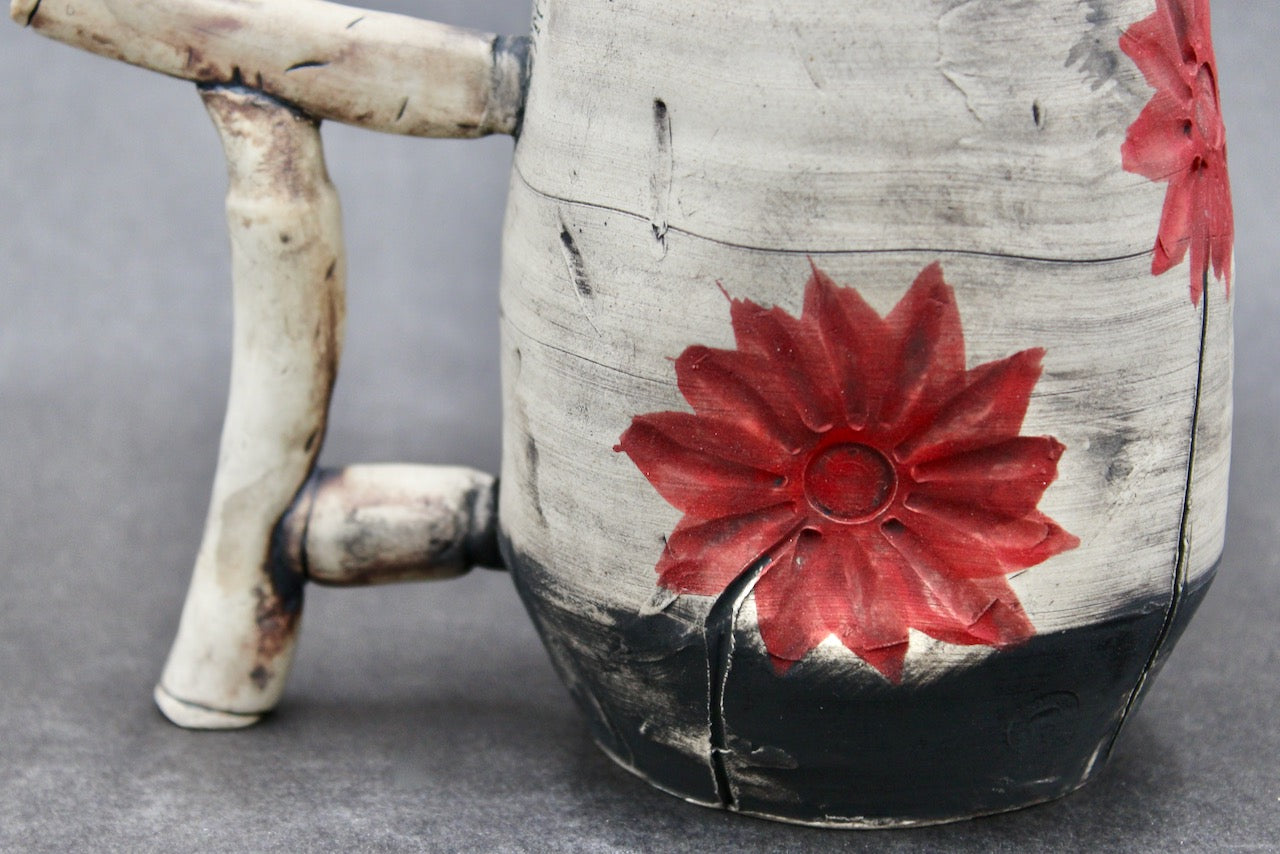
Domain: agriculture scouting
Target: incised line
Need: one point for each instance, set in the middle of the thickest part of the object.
(926, 250)
(1184, 531)
(535, 339)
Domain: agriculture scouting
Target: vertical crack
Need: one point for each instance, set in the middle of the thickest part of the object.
(718, 630)
(1179, 581)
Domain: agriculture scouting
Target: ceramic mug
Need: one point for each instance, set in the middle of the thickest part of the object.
(866, 384)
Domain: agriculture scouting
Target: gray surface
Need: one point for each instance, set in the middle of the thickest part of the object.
(427, 717)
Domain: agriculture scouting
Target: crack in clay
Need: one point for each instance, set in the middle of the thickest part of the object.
(943, 64)
(1179, 580)
(718, 630)
(946, 73)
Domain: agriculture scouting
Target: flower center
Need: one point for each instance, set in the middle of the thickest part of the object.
(849, 482)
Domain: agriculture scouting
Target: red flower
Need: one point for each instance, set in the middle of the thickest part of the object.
(1179, 138)
(879, 484)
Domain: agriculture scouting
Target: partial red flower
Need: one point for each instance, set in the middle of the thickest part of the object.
(1179, 138)
(880, 484)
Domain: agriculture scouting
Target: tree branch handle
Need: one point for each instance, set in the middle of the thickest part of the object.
(238, 628)
(269, 70)
(273, 523)
(377, 70)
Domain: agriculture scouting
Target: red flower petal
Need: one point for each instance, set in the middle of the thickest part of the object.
(928, 350)
(1175, 226)
(977, 544)
(699, 483)
(857, 344)
(724, 438)
(1197, 33)
(946, 593)
(1006, 478)
(979, 611)
(1159, 144)
(1003, 624)
(788, 604)
(824, 587)
(1152, 44)
(1222, 227)
(725, 383)
(1198, 245)
(784, 342)
(876, 623)
(988, 409)
(703, 557)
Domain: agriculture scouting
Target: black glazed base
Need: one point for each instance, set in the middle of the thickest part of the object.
(835, 746)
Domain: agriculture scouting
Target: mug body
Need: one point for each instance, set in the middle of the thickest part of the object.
(866, 387)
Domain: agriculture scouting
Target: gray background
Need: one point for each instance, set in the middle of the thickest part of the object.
(427, 717)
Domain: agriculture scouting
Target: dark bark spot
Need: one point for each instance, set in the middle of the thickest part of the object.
(310, 63)
(260, 676)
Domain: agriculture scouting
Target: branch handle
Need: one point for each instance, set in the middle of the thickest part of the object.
(269, 70)
(274, 523)
(238, 629)
(376, 70)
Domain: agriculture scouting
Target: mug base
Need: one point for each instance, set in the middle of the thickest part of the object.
(833, 746)
(842, 823)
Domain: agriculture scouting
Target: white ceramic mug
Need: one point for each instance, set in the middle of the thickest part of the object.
(866, 379)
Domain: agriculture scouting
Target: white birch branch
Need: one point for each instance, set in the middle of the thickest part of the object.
(374, 524)
(377, 70)
(270, 69)
(236, 638)
(271, 526)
